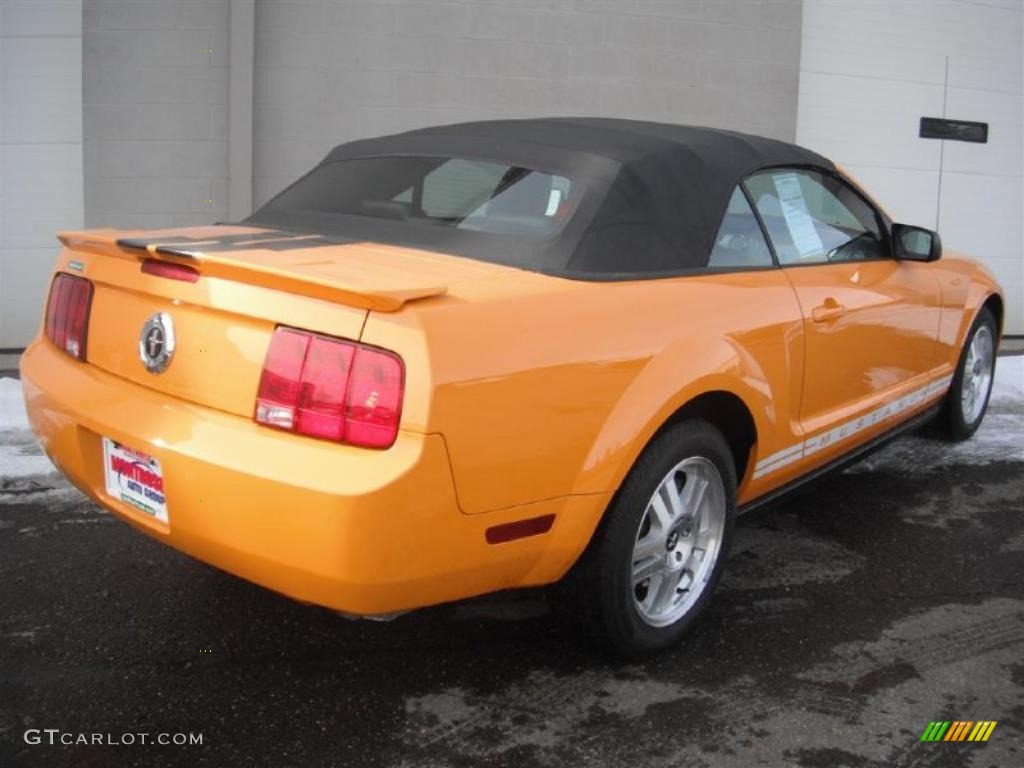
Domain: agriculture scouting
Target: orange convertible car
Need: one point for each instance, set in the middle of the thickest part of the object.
(491, 355)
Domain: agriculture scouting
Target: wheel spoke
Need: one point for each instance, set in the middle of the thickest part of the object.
(701, 540)
(696, 490)
(665, 591)
(649, 602)
(661, 518)
(674, 499)
(646, 569)
(698, 564)
(648, 546)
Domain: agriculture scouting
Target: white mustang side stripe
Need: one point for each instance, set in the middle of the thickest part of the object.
(847, 429)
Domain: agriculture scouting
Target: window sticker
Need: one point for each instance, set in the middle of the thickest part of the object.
(798, 218)
(554, 198)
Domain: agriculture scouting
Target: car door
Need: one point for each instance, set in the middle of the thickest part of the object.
(870, 321)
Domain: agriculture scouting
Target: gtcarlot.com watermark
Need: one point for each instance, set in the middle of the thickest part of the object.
(57, 737)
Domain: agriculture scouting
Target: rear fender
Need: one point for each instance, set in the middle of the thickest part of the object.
(655, 395)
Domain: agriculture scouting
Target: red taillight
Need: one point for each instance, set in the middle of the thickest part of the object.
(170, 270)
(329, 388)
(322, 397)
(374, 400)
(67, 313)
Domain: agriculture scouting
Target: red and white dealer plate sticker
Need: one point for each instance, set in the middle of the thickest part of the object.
(135, 478)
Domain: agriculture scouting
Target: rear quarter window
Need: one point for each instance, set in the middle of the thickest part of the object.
(740, 242)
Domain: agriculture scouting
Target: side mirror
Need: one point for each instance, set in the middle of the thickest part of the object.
(916, 243)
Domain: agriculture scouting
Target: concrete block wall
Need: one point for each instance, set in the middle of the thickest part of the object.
(40, 152)
(327, 72)
(864, 86)
(155, 99)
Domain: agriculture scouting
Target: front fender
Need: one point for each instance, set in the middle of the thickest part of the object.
(965, 285)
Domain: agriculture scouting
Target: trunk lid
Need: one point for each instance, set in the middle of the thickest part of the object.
(250, 280)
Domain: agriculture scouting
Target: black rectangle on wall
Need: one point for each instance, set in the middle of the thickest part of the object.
(954, 130)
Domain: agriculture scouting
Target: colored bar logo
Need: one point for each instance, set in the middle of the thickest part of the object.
(958, 730)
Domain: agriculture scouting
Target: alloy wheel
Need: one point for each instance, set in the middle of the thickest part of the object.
(678, 541)
(977, 374)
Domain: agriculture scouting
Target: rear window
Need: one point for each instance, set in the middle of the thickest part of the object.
(459, 193)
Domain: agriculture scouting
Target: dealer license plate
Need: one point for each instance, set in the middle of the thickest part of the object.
(135, 478)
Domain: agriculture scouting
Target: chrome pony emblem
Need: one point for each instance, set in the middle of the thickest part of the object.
(156, 342)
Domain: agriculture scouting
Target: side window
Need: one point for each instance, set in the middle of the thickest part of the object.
(740, 242)
(814, 218)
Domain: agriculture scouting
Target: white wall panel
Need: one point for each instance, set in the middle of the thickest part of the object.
(871, 69)
(40, 151)
(1002, 155)
(866, 121)
(155, 112)
(984, 211)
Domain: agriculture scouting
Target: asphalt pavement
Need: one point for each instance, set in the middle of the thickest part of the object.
(851, 616)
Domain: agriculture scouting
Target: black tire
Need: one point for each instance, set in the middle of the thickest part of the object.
(952, 421)
(598, 592)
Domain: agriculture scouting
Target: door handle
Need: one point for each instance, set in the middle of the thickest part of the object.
(830, 310)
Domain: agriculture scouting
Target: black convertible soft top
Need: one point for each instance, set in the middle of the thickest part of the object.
(656, 192)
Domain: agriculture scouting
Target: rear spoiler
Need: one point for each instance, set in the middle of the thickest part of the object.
(382, 298)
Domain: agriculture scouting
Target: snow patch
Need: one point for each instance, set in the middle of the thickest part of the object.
(16, 461)
(12, 405)
(999, 438)
(1008, 388)
(20, 455)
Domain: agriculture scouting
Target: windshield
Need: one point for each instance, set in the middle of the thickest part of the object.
(453, 192)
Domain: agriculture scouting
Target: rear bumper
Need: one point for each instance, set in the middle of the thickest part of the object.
(361, 531)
